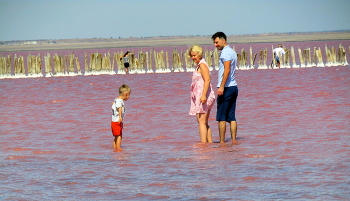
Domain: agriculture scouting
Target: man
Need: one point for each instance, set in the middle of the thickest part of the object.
(227, 87)
(278, 52)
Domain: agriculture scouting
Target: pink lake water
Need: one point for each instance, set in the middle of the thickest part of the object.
(293, 133)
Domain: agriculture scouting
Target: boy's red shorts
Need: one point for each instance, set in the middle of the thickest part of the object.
(117, 128)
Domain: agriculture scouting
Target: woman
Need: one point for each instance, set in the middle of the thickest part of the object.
(202, 94)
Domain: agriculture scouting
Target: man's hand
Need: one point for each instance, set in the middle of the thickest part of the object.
(220, 91)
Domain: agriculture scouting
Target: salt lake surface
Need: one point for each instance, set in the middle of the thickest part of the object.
(293, 133)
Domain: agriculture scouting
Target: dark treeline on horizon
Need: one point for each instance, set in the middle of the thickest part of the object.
(168, 36)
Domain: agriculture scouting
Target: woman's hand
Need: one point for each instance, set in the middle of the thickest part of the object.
(203, 99)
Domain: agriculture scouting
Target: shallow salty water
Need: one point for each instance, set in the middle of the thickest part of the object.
(56, 142)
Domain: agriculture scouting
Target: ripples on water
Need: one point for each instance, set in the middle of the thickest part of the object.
(56, 143)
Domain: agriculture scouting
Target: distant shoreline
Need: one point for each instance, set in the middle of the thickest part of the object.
(98, 43)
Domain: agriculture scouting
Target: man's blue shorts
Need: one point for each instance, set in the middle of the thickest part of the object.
(226, 104)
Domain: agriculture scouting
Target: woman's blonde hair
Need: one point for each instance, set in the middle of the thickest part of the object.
(124, 89)
(195, 48)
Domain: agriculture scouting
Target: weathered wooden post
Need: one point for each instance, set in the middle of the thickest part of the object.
(98, 60)
(305, 56)
(151, 62)
(286, 58)
(15, 65)
(119, 60)
(57, 64)
(167, 62)
(71, 70)
(19, 66)
(9, 64)
(112, 65)
(243, 61)
(301, 59)
(342, 56)
(48, 66)
(104, 64)
(77, 63)
(319, 58)
(211, 54)
(216, 58)
(239, 58)
(208, 59)
(156, 65)
(162, 58)
(188, 61)
(92, 67)
(66, 64)
(184, 61)
(331, 56)
(263, 58)
(314, 57)
(251, 58)
(31, 65)
(176, 60)
(115, 60)
(142, 62)
(148, 63)
(308, 57)
(294, 65)
(334, 56)
(328, 55)
(2, 66)
(109, 65)
(86, 65)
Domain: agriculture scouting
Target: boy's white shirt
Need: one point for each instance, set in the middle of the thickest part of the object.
(118, 103)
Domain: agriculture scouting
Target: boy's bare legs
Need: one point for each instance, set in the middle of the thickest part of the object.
(205, 133)
(222, 131)
(117, 142)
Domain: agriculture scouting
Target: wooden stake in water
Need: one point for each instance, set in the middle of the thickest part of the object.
(302, 64)
(294, 65)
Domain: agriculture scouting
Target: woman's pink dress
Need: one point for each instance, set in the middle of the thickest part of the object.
(196, 93)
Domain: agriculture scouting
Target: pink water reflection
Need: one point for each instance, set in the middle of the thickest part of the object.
(293, 132)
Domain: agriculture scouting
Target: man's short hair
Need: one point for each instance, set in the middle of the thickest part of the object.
(220, 35)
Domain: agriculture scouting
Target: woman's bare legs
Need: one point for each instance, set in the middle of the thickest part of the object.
(205, 133)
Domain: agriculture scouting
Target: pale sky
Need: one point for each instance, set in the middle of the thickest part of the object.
(66, 19)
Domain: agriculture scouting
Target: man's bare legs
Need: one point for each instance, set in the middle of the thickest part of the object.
(222, 130)
(205, 133)
(233, 128)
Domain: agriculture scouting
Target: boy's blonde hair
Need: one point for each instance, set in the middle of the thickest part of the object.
(124, 89)
(195, 48)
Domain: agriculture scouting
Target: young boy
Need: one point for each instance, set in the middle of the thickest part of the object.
(118, 112)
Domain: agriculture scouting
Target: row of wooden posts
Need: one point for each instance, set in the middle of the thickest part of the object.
(158, 62)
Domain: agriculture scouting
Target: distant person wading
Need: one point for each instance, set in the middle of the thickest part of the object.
(126, 61)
